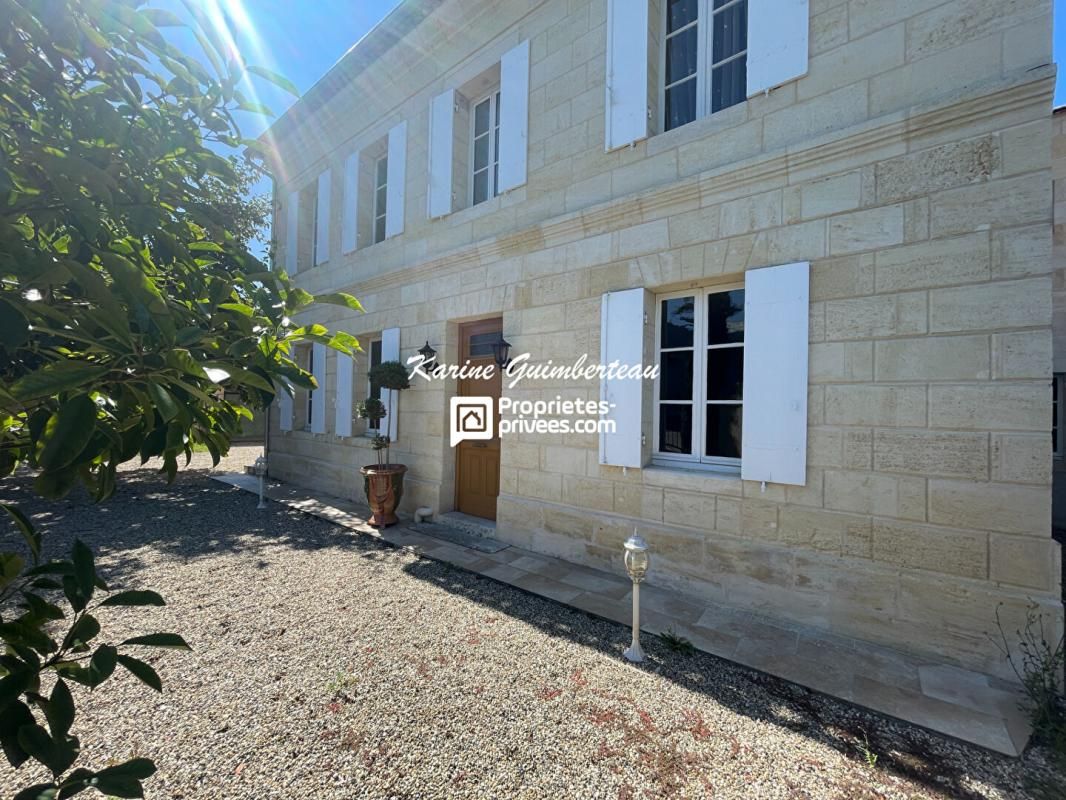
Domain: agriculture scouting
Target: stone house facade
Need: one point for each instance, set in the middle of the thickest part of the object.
(829, 221)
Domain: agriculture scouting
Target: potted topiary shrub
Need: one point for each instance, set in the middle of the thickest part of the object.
(383, 481)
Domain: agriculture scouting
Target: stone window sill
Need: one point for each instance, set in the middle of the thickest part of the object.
(699, 478)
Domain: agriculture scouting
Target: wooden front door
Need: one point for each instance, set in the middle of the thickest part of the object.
(477, 463)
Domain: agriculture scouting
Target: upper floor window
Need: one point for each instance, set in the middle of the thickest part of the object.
(704, 58)
(485, 141)
(700, 392)
(381, 180)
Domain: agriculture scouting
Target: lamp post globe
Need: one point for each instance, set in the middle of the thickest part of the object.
(636, 561)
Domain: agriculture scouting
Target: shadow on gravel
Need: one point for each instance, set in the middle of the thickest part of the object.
(146, 512)
(860, 734)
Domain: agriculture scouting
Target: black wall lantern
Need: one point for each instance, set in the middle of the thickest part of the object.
(501, 352)
(427, 353)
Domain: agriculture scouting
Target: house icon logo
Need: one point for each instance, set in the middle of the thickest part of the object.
(471, 418)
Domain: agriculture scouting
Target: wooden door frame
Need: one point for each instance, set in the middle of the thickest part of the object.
(465, 331)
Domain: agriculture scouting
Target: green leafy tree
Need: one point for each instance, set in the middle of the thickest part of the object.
(134, 323)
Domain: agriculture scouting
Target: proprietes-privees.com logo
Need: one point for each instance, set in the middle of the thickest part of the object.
(474, 418)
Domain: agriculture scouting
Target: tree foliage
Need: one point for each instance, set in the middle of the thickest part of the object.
(133, 320)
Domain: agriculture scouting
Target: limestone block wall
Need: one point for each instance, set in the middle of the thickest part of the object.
(909, 166)
(1058, 260)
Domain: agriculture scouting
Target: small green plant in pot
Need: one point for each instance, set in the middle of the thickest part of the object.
(383, 481)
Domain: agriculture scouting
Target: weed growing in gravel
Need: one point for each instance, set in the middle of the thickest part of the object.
(340, 683)
(676, 643)
(1039, 664)
(867, 753)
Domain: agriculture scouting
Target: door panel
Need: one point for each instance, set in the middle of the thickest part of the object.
(477, 464)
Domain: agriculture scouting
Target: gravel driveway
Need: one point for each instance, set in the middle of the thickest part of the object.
(327, 665)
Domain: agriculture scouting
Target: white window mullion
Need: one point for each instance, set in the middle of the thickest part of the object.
(699, 375)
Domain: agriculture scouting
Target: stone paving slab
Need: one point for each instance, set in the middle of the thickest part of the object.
(463, 538)
(956, 702)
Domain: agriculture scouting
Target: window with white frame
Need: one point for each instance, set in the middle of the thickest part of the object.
(699, 395)
(485, 148)
(381, 179)
(1058, 385)
(373, 389)
(704, 65)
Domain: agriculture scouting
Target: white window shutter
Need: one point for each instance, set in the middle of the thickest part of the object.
(390, 351)
(397, 178)
(350, 210)
(284, 408)
(774, 438)
(322, 219)
(514, 117)
(622, 341)
(441, 146)
(777, 42)
(345, 370)
(292, 233)
(318, 398)
(627, 72)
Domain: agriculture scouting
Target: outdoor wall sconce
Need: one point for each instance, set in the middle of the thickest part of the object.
(501, 352)
(636, 561)
(427, 353)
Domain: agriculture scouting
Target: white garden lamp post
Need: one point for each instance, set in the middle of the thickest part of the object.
(636, 560)
(260, 469)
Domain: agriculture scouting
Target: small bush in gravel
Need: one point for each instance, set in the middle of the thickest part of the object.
(676, 643)
(1039, 665)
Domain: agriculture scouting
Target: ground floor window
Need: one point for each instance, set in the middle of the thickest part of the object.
(699, 396)
(373, 389)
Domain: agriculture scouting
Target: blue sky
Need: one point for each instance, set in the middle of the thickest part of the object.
(299, 40)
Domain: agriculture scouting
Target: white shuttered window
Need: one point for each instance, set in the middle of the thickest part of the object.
(322, 216)
(350, 209)
(776, 310)
(622, 341)
(396, 170)
(292, 233)
(627, 73)
(732, 392)
(513, 117)
(778, 40)
(285, 408)
(441, 145)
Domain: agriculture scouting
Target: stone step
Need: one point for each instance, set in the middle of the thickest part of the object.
(478, 526)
